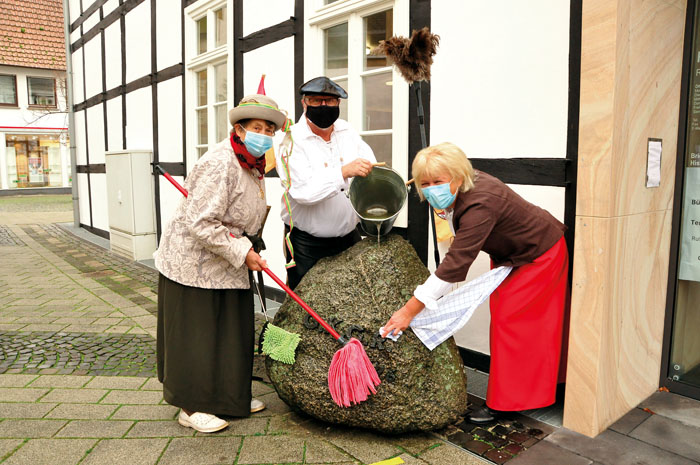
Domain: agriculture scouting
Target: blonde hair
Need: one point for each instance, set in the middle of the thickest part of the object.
(445, 158)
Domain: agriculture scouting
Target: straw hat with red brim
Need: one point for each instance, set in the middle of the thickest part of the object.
(257, 106)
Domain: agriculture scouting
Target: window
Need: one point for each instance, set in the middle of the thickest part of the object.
(8, 90)
(42, 91)
(347, 37)
(33, 160)
(209, 72)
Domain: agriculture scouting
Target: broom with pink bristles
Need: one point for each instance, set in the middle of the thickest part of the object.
(351, 376)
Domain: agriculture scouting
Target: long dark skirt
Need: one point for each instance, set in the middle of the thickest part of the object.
(205, 347)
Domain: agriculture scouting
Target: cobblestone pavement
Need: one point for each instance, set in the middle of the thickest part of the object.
(77, 376)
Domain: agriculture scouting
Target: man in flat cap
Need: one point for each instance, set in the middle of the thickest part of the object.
(326, 154)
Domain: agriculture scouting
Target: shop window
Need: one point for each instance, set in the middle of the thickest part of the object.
(33, 160)
(349, 36)
(42, 91)
(208, 68)
(8, 90)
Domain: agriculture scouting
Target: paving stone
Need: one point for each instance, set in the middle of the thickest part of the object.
(30, 428)
(674, 406)
(318, 451)
(271, 449)
(362, 445)
(275, 405)
(416, 443)
(82, 411)
(51, 452)
(545, 452)
(241, 427)
(15, 380)
(202, 451)
(613, 448)
(133, 397)
(24, 409)
(154, 385)
(76, 396)
(146, 412)
(260, 389)
(159, 429)
(670, 435)
(126, 451)
(448, 454)
(21, 394)
(630, 421)
(497, 456)
(115, 382)
(61, 381)
(95, 429)
(7, 446)
(12, 326)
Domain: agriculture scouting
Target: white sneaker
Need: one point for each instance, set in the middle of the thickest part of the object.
(202, 422)
(256, 405)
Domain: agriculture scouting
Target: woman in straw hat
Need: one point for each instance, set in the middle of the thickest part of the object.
(527, 308)
(205, 303)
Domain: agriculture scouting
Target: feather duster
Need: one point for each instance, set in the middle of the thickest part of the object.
(413, 57)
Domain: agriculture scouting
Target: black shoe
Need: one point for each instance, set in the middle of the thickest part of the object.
(481, 415)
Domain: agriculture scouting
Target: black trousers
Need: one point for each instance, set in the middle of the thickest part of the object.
(309, 249)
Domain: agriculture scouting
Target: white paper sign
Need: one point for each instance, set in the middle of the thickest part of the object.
(654, 163)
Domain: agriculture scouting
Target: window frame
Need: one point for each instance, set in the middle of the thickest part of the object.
(29, 95)
(16, 104)
(196, 62)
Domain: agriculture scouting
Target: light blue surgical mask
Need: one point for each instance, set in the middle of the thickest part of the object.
(439, 196)
(257, 144)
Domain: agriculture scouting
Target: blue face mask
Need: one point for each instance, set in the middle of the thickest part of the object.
(439, 196)
(257, 144)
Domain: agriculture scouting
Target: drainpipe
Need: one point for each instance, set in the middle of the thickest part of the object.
(71, 116)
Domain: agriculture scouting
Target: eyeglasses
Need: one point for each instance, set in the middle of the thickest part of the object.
(316, 101)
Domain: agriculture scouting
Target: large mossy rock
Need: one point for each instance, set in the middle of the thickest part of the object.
(356, 292)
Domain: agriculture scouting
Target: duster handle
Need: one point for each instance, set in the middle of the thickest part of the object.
(172, 180)
(303, 304)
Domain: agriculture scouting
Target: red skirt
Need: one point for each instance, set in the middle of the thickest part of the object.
(527, 317)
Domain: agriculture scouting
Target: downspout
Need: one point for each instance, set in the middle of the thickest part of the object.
(71, 116)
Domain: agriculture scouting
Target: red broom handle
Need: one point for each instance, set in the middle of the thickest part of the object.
(303, 304)
(286, 288)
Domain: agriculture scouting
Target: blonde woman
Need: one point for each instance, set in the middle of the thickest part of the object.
(527, 309)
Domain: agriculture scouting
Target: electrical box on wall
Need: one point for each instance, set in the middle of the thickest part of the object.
(130, 203)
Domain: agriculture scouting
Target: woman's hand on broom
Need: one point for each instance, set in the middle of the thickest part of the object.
(402, 317)
(254, 261)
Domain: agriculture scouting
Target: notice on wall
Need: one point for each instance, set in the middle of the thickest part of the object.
(689, 267)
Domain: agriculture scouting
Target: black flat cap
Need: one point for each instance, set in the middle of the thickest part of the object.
(322, 86)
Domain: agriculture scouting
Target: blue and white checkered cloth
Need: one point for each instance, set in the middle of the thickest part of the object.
(440, 320)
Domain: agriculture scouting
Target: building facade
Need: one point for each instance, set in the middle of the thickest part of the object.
(575, 104)
(34, 144)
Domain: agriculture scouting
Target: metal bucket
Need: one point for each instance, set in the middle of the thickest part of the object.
(377, 199)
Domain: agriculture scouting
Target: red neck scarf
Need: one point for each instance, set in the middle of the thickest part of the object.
(247, 160)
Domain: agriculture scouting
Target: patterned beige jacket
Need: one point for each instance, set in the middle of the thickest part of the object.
(196, 248)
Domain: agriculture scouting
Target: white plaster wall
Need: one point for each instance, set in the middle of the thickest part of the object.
(78, 92)
(114, 124)
(92, 20)
(110, 6)
(83, 200)
(96, 138)
(500, 77)
(170, 199)
(100, 215)
(74, 9)
(139, 120)
(170, 120)
(80, 141)
(259, 15)
(113, 55)
(276, 61)
(168, 34)
(138, 42)
(499, 89)
(93, 59)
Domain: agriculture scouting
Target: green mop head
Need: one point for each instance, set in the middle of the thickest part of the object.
(280, 344)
